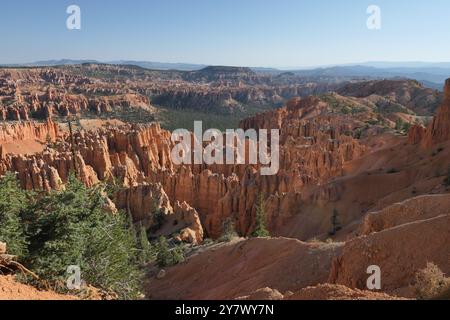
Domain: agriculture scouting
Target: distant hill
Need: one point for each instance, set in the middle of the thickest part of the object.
(217, 73)
(143, 64)
(161, 65)
(430, 74)
(408, 64)
(432, 77)
(62, 62)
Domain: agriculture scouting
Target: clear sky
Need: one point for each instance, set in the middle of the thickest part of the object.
(277, 33)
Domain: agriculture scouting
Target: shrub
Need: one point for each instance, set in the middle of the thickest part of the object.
(358, 133)
(167, 257)
(229, 231)
(430, 282)
(398, 124)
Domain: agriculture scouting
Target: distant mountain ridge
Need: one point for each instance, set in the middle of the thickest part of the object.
(429, 73)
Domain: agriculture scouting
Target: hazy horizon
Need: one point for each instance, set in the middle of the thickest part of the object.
(373, 64)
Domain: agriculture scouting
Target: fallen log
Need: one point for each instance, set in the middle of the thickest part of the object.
(9, 264)
(7, 258)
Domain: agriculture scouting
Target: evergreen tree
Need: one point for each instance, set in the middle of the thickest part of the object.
(260, 229)
(146, 254)
(13, 203)
(111, 256)
(72, 228)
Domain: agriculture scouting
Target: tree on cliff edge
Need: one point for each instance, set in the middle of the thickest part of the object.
(260, 229)
(335, 224)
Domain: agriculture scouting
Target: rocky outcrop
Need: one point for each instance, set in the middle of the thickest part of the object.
(150, 206)
(16, 132)
(438, 131)
(416, 134)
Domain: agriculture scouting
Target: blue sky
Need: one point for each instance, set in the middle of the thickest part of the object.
(277, 33)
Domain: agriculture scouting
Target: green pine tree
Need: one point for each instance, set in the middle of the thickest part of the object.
(146, 254)
(260, 229)
(72, 228)
(13, 203)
